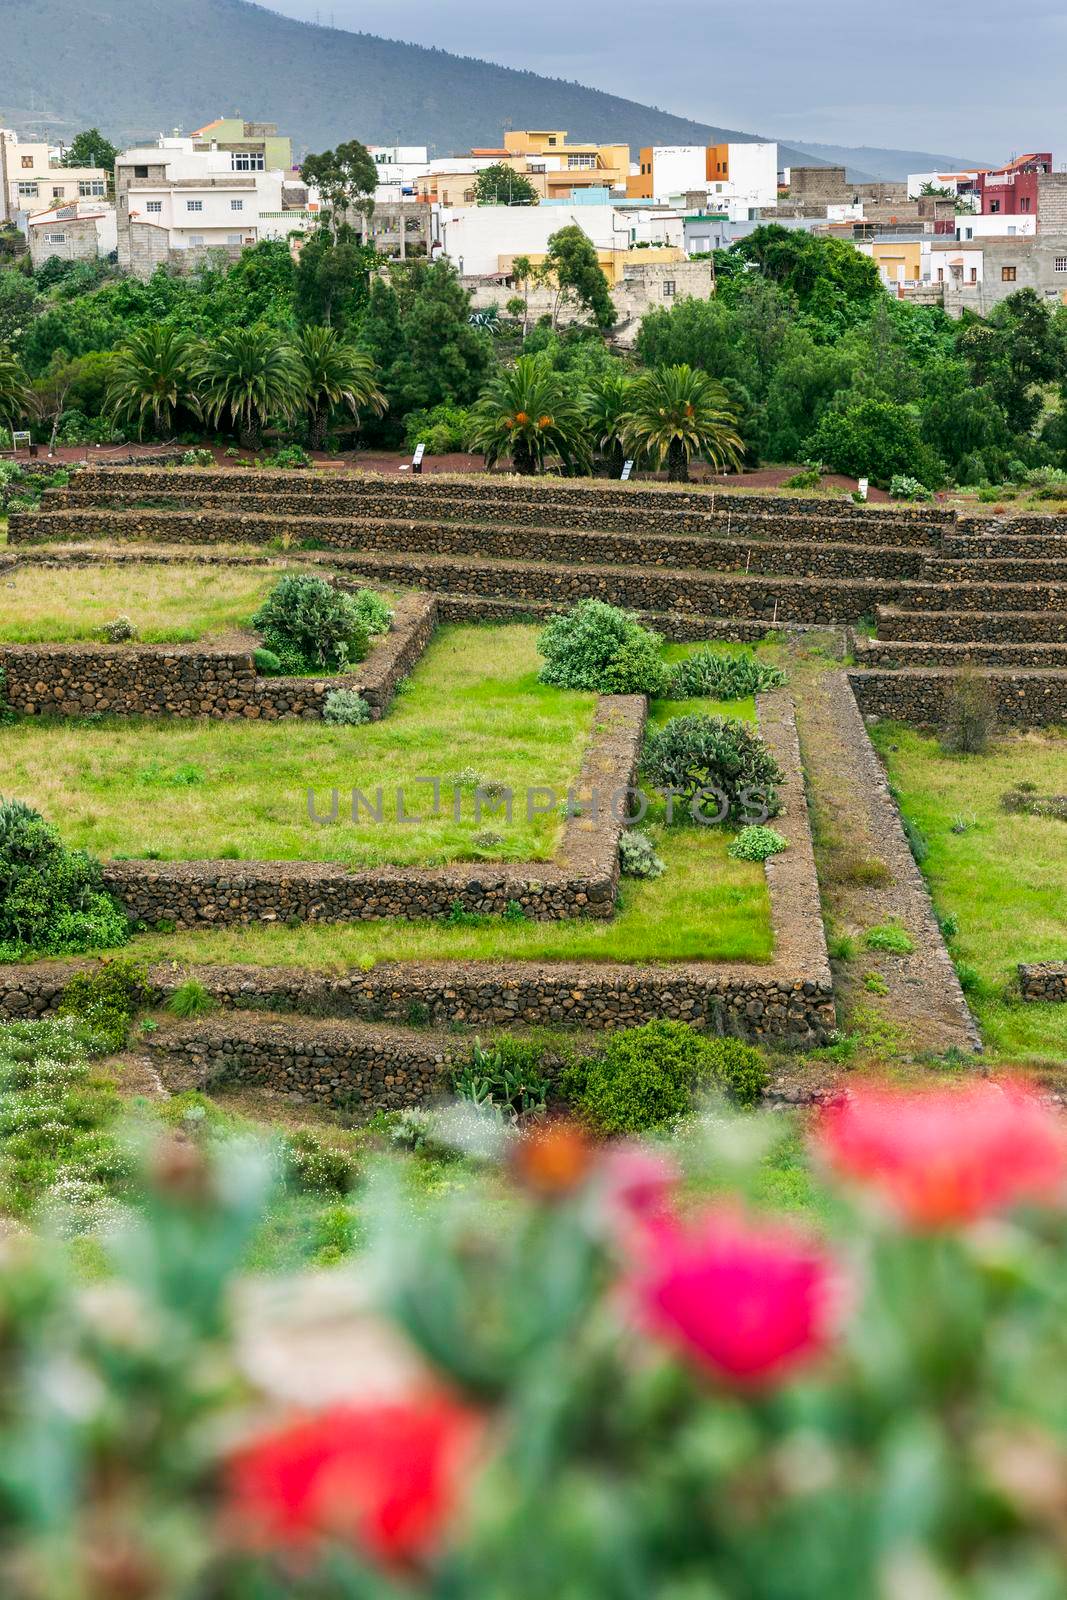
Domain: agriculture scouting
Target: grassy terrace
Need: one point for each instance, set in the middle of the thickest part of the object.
(1002, 877)
(167, 603)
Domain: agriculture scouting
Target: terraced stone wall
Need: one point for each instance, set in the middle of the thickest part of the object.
(1034, 698)
(1043, 981)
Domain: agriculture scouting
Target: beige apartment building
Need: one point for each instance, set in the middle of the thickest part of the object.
(31, 183)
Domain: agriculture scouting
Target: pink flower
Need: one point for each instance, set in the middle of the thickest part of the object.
(946, 1156)
(638, 1184)
(748, 1301)
(385, 1477)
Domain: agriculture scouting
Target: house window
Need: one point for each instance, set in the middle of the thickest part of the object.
(140, 172)
(233, 238)
(668, 288)
(1012, 231)
(1024, 203)
(196, 239)
(194, 205)
(91, 186)
(154, 206)
(248, 161)
(583, 162)
(994, 207)
(27, 163)
(1060, 264)
(237, 205)
(59, 191)
(974, 274)
(1007, 274)
(55, 238)
(27, 191)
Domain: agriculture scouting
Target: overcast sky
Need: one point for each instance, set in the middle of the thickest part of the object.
(973, 78)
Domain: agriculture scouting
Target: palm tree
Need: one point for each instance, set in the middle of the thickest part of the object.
(609, 395)
(14, 389)
(675, 413)
(332, 373)
(247, 376)
(528, 413)
(152, 378)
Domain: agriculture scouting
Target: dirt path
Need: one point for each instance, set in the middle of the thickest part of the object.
(906, 1007)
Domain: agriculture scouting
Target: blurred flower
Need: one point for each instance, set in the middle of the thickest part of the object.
(553, 1159)
(948, 1156)
(637, 1184)
(384, 1477)
(748, 1301)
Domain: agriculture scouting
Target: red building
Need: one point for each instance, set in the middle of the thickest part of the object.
(1011, 190)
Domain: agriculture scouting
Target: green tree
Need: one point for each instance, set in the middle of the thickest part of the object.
(501, 185)
(151, 379)
(606, 407)
(333, 375)
(246, 377)
(417, 328)
(676, 413)
(346, 178)
(91, 149)
(332, 282)
(579, 280)
(1017, 349)
(530, 413)
(14, 390)
(875, 439)
(19, 305)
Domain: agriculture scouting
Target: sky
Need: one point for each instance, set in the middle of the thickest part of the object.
(978, 79)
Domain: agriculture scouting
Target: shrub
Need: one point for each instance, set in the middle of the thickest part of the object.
(268, 664)
(970, 715)
(637, 855)
(648, 1077)
(599, 647)
(307, 618)
(841, 947)
(810, 478)
(104, 1001)
(715, 676)
(191, 999)
(864, 872)
(198, 458)
(375, 613)
(756, 844)
(316, 1167)
(508, 1077)
(52, 900)
(890, 937)
(443, 429)
(119, 630)
(902, 487)
(918, 843)
(290, 456)
(688, 755)
(345, 708)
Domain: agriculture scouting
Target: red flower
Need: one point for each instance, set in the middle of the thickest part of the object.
(748, 1301)
(638, 1185)
(948, 1156)
(386, 1477)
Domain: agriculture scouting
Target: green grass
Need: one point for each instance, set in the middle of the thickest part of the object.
(166, 604)
(1003, 876)
(193, 789)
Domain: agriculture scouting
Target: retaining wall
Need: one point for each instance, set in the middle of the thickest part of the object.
(1043, 981)
(894, 653)
(1034, 699)
(998, 627)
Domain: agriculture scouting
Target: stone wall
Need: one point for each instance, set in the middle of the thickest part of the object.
(1043, 981)
(581, 882)
(894, 653)
(1005, 627)
(1034, 699)
(189, 681)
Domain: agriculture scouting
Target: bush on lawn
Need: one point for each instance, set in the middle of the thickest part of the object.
(970, 715)
(649, 1077)
(307, 619)
(104, 1001)
(345, 708)
(756, 844)
(52, 900)
(715, 676)
(637, 855)
(375, 613)
(688, 755)
(602, 648)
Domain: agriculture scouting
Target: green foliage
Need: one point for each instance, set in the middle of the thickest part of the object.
(889, 936)
(192, 999)
(606, 405)
(91, 149)
(346, 177)
(103, 1001)
(442, 429)
(676, 413)
(756, 844)
(345, 708)
(718, 676)
(316, 1167)
(572, 264)
(52, 901)
(417, 328)
(118, 630)
(691, 755)
(151, 379)
(808, 479)
(637, 855)
(331, 280)
(501, 185)
(198, 458)
(333, 376)
(901, 487)
(307, 619)
(290, 458)
(245, 377)
(14, 390)
(529, 413)
(598, 647)
(649, 1077)
(970, 715)
(374, 612)
(874, 438)
(506, 1076)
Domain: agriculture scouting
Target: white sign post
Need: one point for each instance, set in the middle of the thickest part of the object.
(628, 467)
(18, 439)
(862, 487)
(416, 460)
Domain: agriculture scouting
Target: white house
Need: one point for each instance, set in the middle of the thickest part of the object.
(84, 230)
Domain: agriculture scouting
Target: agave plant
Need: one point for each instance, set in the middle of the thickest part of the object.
(334, 374)
(152, 378)
(527, 412)
(14, 390)
(676, 413)
(605, 409)
(246, 377)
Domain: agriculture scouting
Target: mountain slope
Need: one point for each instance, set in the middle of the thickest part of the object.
(140, 67)
(887, 165)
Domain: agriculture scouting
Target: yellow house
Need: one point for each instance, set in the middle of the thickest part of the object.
(580, 165)
(897, 260)
(613, 263)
